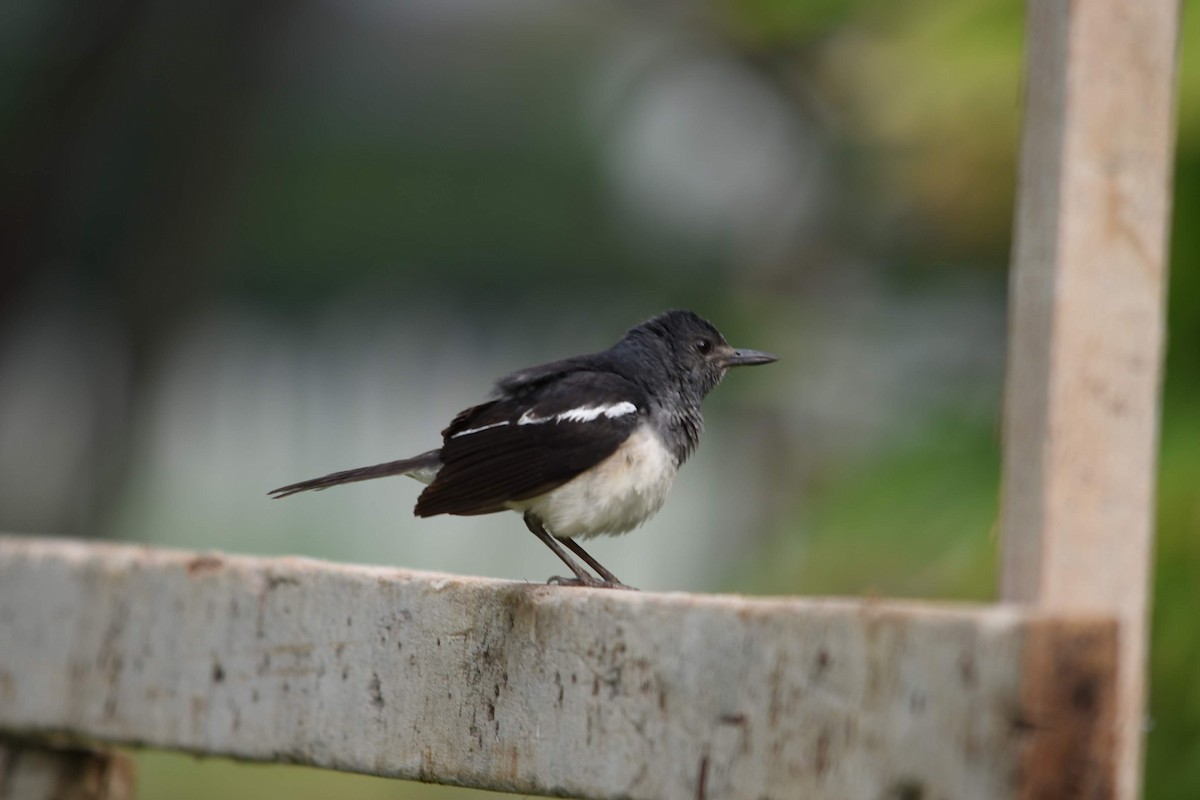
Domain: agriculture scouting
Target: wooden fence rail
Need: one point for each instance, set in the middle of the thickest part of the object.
(546, 690)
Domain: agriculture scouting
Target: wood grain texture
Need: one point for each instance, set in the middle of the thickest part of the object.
(1087, 319)
(33, 772)
(1070, 697)
(527, 688)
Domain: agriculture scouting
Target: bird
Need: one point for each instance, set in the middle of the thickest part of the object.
(581, 447)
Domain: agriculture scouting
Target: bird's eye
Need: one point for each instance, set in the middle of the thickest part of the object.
(704, 346)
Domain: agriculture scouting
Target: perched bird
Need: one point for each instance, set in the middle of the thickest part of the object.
(582, 447)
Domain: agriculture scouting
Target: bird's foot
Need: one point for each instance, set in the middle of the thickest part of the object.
(589, 582)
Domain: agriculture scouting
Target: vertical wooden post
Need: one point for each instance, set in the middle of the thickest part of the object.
(1087, 317)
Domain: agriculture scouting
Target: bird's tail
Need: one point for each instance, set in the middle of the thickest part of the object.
(422, 467)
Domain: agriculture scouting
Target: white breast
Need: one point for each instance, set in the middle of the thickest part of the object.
(615, 496)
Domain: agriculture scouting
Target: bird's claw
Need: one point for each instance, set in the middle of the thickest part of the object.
(589, 582)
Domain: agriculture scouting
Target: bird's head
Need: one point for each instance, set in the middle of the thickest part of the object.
(694, 351)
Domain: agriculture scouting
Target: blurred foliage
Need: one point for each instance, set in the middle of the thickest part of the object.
(918, 522)
(174, 776)
(1173, 755)
(933, 93)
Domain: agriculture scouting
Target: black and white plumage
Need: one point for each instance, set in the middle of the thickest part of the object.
(582, 447)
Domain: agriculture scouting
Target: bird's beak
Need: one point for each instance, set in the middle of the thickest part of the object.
(748, 358)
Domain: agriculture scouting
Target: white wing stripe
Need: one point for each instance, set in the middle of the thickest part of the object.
(589, 413)
(581, 414)
(477, 430)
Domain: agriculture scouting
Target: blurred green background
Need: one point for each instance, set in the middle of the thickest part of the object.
(244, 244)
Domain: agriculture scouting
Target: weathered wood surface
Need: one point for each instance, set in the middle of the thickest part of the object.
(549, 690)
(31, 772)
(541, 689)
(1087, 318)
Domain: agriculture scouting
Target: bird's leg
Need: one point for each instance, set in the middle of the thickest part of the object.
(582, 576)
(578, 550)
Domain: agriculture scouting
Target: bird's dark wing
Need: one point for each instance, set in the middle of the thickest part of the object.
(529, 380)
(516, 448)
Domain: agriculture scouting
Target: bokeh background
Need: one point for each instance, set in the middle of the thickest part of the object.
(243, 244)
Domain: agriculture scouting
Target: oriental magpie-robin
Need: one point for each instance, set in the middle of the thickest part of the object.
(582, 447)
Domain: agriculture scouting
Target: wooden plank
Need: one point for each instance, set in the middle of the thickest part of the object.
(1087, 318)
(539, 689)
(30, 772)
(1069, 669)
